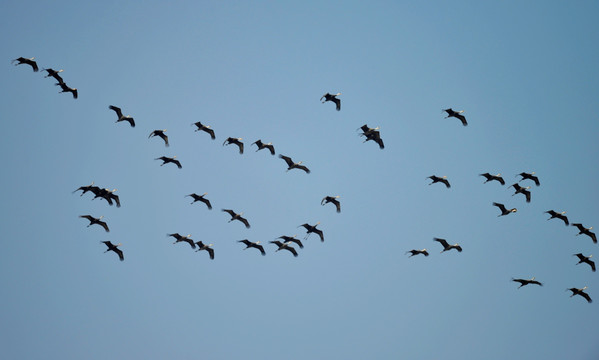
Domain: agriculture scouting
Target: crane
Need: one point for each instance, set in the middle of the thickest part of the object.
(490, 177)
(97, 221)
(284, 246)
(560, 215)
(333, 98)
(442, 179)
(201, 198)
(294, 165)
(446, 245)
(235, 216)
(456, 114)
(112, 247)
(332, 199)
(292, 239)
(312, 229)
(586, 259)
(417, 252)
(372, 134)
(166, 160)
(65, 88)
(202, 246)
(524, 282)
(122, 117)
(236, 141)
(581, 292)
(586, 231)
(54, 73)
(255, 245)
(262, 145)
(181, 238)
(504, 210)
(521, 190)
(205, 128)
(530, 176)
(161, 134)
(31, 62)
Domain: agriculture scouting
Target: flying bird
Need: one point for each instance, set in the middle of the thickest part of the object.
(181, 238)
(236, 141)
(166, 160)
(503, 209)
(333, 98)
(586, 259)
(30, 62)
(284, 246)
(87, 188)
(122, 117)
(262, 145)
(581, 292)
(530, 176)
(417, 252)
(292, 239)
(331, 199)
(437, 179)
(202, 246)
(201, 198)
(446, 245)
(65, 88)
(560, 216)
(524, 282)
(255, 245)
(112, 247)
(372, 134)
(161, 134)
(205, 128)
(291, 165)
(586, 231)
(54, 73)
(97, 221)
(490, 177)
(521, 190)
(456, 114)
(312, 229)
(235, 216)
(107, 195)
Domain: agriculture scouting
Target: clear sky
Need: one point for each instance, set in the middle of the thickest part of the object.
(525, 72)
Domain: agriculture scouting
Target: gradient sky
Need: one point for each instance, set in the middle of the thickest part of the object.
(525, 72)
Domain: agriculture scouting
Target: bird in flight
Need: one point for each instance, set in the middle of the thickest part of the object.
(456, 114)
(333, 98)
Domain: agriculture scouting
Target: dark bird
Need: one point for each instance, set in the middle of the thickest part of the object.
(312, 229)
(333, 98)
(530, 176)
(93, 220)
(372, 134)
(87, 188)
(235, 216)
(112, 247)
(417, 252)
(65, 88)
(456, 114)
(292, 239)
(201, 198)
(331, 199)
(524, 282)
(580, 292)
(202, 246)
(161, 134)
(504, 211)
(437, 179)
(291, 165)
(236, 141)
(54, 73)
(586, 231)
(30, 62)
(166, 160)
(521, 190)
(205, 128)
(122, 117)
(586, 259)
(284, 246)
(107, 195)
(560, 216)
(446, 245)
(490, 177)
(180, 238)
(255, 245)
(262, 145)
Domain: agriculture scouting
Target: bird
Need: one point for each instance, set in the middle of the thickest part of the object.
(312, 229)
(530, 176)
(503, 209)
(161, 134)
(333, 98)
(202, 246)
(236, 141)
(122, 117)
(586, 231)
(456, 114)
(284, 246)
(98, 221)
(292, 239)
(560, 216)
(417, 252)
(332, 199)
(524, 282)
(437, 179)
(262, 145)
(446, 245)
(291, 165)
(581, 292)
(54, 74)
(521, 190)
(235, 216)
(586, 259)
(107, 195)
(205, 128)
(180, 238)
(30, 62)
(490, 177)
(256, 245)
(372, 134)
(65, 88)
(166, 160)
(112, 247)
(86, 188)
(201, 198)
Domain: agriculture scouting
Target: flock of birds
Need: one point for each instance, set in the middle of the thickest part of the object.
(370, 134)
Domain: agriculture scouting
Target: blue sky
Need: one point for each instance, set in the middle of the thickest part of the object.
(524, 72)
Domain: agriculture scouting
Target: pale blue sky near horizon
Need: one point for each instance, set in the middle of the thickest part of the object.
(524, 72)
